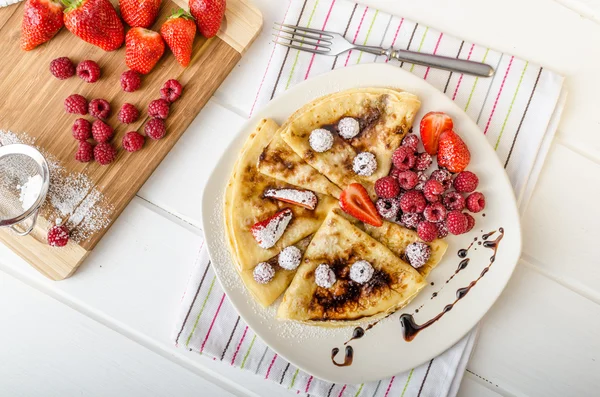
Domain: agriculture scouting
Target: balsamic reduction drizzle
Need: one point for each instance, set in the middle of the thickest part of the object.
(358, 333)
(461, 266)
(410, 329)
(348, 357)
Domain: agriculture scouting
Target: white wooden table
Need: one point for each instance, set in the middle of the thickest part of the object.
(105, 331)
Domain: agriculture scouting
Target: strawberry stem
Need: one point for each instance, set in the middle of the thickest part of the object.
(180, 13)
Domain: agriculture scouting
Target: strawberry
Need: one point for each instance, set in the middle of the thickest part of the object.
(303, 198)
(42, 19)
(355, 201)
(453, 153)
(267, 232)
(432, 125)
(139, 13)
(208, 14)
(178, 32)
(143, 49)
(96, 22)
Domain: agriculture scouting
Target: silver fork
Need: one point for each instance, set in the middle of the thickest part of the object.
(331, 43)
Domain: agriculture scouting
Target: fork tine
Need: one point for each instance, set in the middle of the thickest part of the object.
(303, 48)
(301, 41)
(308, 36)
(307, 30)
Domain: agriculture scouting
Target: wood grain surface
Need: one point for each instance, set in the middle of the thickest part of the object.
(33, 99)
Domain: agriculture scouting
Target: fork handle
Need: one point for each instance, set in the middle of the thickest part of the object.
(434, 61)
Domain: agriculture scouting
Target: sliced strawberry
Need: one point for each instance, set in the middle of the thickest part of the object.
(432, 125)
(453, 153)
(303, 198)
(267, 232)
(355, 201)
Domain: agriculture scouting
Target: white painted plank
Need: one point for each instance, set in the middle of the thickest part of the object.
(540, 339)
(49, 350)
(472, 387)
(561, 224)
(178, 183)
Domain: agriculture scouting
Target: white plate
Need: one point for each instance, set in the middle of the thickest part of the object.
(382, 352)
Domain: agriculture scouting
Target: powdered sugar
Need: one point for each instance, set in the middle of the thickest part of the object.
(268, 232)
(320, 140)
(30, 191)
(71, 195)
(263, 273)
(348, 127)
(418, 254)
(305, 198)
(361, 271)
(290, 258)
(364, 164)
(324, 276)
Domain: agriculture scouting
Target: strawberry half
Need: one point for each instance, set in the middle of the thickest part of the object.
(453, 153)
(178, 32)
(303, 198)
(208, 15)
(42, 19)
(96, 22)
(143, 49)
(355, 201)
(269, 231)
(139, 13)
(432, 125)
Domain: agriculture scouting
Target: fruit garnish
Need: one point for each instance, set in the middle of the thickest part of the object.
(432, 125)
(62, 68)
(96, 22)
(42, 19)
(158, 109)
(139, 13)
(475, 202)
(303, 198)
(355, 201)
(130, 80)
(143, 49)
(208, 15)
(171, 90)
(453, 153)
(88, 71)
(267, 232)
(178, 32)
(58, 236)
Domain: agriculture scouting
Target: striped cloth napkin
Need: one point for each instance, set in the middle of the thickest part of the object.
(517, 110)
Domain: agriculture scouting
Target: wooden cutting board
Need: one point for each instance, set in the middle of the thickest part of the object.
(32, 103)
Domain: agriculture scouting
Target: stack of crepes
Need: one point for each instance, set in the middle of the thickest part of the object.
(281, 159)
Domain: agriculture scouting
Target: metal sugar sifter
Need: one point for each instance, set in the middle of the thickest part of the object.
(24, 182)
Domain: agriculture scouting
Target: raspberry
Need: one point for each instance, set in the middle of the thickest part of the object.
(130, 81)
(456, 222)
(432, 190)
(422, 178)
(388, 208)
(470, 221)
(454, 201)
(133, 141)
(441, 175)
(403, 158)
(104, 153)
(418, 254)
(99, 108)
(442, 229)
(423, 161)
(85, 152)
(412, 201)
(387, 187)
(466, 182)
(155, 128)
(394, 172)
(407, 179)
(171, 90)
(475, 202)
(101, 131)
(62, 68)
(88, 71)
(128, 114)
(435, 212)
(427, 231)
(76, 104)
(158, 109)
(58, 236)
(82, 129)
(411, 221)
(411, 141)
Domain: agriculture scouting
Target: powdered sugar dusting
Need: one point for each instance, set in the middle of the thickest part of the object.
(71, 195)
(305, 198)
(267, 234)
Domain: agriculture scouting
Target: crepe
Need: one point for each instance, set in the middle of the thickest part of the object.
(245, 205)
(339, 244)
(397, 238)
(385, 117)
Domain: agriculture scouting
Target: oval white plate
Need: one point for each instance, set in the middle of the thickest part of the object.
(382, 352)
